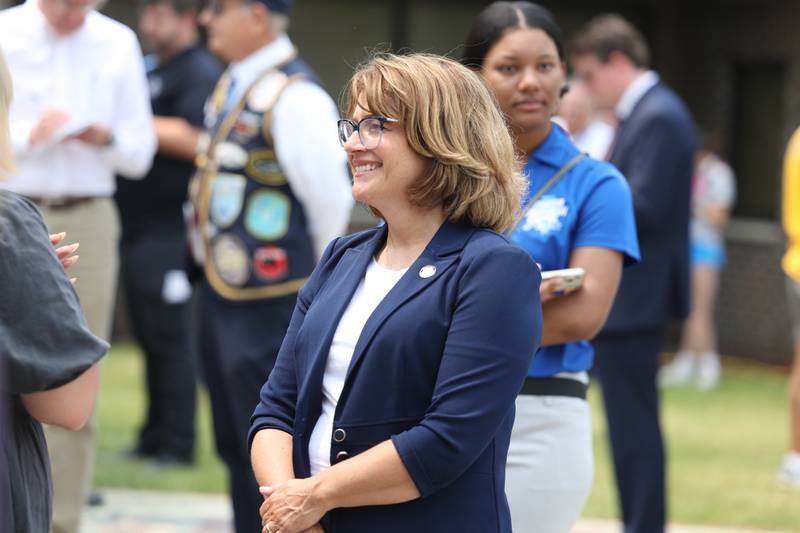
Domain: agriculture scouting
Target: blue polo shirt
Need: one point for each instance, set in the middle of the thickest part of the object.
(590, 205)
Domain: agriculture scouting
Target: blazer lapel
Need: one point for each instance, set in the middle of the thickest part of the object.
(439, 255)
(338, 292)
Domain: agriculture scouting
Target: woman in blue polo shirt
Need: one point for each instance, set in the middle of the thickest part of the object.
(578, 213)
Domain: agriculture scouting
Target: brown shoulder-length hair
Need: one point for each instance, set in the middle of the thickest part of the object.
(450, 117)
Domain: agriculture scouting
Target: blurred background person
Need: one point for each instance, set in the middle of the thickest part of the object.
(590, 130)
(81, 114)
(583, 219)
(654, 149)
(47, 352)
(713, 196)
(181, 75)
(271, 192)
(789, 472)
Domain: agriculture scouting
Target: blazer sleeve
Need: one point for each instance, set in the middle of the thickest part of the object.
(494, 332)
(661, 162)
(278, 397)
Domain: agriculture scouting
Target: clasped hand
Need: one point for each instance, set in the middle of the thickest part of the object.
(291, 507)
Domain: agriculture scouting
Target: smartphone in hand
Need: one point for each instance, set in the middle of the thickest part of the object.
(571, 278)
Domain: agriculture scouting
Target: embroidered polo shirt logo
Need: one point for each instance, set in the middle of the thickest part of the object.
(545, 215)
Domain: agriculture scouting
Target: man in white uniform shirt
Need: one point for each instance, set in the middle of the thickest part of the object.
(271, 192)
(80, 115)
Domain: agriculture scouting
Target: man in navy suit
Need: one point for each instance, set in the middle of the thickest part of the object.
(654, 149)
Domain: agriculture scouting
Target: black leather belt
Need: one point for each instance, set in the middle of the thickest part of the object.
(61, 202)
(554, 387)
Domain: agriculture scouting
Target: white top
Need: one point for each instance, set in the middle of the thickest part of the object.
(634, 93)
(306, 143)
(96, 75)
(377, 283)
(595, 139)
(714, 185)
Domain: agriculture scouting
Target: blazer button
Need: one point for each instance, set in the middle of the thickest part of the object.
(341, 456)
(339, 435)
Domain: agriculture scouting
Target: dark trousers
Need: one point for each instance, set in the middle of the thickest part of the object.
(163, 331)
(627, 364)
(239, 342)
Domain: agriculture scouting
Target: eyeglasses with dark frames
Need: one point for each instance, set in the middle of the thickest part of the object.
(370, 130)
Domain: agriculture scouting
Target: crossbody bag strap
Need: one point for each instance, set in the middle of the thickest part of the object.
(569, 165)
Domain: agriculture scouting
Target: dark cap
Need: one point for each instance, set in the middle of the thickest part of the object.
(277, 6)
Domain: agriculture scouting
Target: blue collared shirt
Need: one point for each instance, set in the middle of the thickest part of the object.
(590, 205)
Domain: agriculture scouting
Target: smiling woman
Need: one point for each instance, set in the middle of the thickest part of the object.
(390, 406)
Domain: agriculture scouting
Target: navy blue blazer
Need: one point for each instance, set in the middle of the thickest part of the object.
(436, 369)
(654, 149)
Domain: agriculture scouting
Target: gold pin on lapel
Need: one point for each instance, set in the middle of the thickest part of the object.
(427, 271)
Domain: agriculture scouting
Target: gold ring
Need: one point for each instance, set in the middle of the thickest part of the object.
(269, 529)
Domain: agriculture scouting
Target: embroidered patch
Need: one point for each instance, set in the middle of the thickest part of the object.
(270, 263)
(227, 197)
(264, 93)
(246, 127)
(263, 166)
(230, 156)
(231, 259)
(267, 216)
(545, 215)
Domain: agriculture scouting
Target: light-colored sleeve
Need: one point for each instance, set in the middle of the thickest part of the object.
(307, 146)
(131, 153)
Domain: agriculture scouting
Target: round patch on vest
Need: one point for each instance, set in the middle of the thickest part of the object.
(230, 156)
(267, 215)
(227, 198)
(231, 259)
(264, 93)
(246, 127)
(263, 166)
(270, 263)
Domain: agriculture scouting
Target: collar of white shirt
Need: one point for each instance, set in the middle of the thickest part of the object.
(634, 93)
(246, 71)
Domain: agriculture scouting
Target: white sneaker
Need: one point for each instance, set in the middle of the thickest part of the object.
(679, 371)
(789, 472)
(708, 371)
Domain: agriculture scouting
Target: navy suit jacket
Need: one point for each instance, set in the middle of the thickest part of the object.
(654, 149)
(436, 369)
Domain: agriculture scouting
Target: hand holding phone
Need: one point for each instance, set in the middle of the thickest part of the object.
(559, 282)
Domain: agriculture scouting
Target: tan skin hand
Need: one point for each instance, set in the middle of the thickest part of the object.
(95, 135)
(290, 507)
(64, 253)
(49, 122)
(552, 288)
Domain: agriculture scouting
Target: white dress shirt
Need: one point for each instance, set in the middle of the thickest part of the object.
(377, 283)
(306, 143)
(634, 93)
(595, 139)
(96, 75)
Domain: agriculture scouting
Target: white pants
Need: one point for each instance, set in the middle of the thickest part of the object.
(550, 463)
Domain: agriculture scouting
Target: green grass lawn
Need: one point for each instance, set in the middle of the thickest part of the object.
(724, 448)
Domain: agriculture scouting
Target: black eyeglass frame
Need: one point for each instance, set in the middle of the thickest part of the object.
(340, 124)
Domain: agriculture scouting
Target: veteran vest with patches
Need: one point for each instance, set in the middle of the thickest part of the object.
(253, 229)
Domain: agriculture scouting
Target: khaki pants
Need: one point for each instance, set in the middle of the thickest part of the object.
(95, 225)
